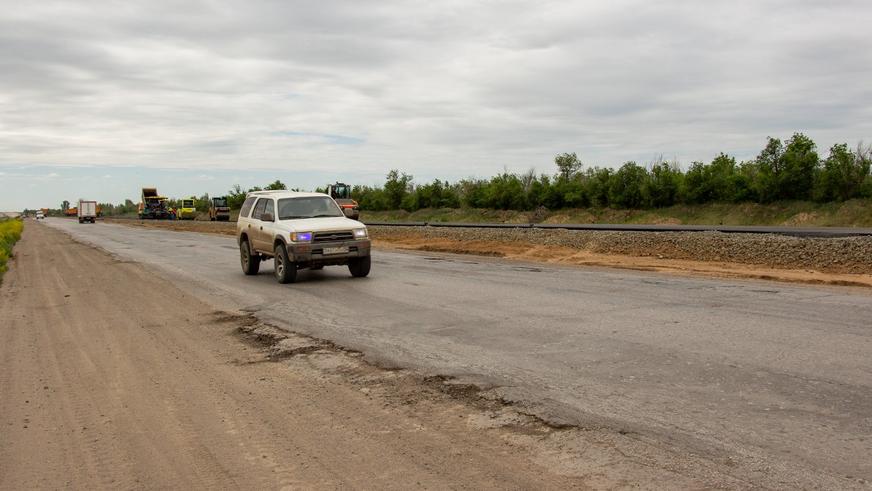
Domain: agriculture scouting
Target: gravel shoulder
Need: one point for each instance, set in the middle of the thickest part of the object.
(111, 377)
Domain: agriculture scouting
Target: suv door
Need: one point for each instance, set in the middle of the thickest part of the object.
(255, 226)
(265, 231)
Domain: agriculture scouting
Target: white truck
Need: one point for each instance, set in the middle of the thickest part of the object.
(87, 211)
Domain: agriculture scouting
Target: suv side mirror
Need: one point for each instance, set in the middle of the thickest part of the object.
(349, 212)
(267, 217)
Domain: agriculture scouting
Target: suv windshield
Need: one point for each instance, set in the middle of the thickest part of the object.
(311, 207)
(219, 201)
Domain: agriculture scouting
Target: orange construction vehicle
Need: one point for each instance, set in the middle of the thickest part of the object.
(341, 193)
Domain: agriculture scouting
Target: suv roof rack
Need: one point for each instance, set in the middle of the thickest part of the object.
(269, 191)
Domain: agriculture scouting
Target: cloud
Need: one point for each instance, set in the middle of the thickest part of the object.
(446, 89)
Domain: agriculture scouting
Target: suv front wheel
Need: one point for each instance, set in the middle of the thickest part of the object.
(359, 266)
(285, 269)
(250, 263)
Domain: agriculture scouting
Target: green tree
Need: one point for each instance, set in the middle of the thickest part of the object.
(663, 188)
(718, 181)
(626, 185)
(800, 163)
(505, 192)
(276, 185)
(396, 188)
(202, 203)
(568, 165)
(596, 184)
(767, 171)
(843, 174)
(235, 197)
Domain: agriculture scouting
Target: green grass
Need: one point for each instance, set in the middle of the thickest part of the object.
(853, 213)
(10, 232)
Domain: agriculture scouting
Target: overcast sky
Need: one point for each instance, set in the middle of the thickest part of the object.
(206, 94)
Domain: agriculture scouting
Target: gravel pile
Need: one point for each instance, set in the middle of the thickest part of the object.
(837, 255)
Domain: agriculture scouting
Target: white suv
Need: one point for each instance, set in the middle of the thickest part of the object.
(299, 230)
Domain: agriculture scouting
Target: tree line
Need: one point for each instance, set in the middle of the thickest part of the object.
(784, 170)
(790, 170)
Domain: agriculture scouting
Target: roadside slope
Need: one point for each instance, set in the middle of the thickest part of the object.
(112, 377)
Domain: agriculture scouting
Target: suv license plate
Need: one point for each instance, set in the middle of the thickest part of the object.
(335, 250)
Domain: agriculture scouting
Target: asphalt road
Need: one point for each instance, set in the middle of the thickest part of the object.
(771, 380)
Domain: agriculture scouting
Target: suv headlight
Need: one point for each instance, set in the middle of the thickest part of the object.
(360, 233)
(301, 236)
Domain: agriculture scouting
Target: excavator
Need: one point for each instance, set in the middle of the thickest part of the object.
(341, 193)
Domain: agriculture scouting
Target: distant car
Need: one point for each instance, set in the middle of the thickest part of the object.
(299, 230)
(40, 215)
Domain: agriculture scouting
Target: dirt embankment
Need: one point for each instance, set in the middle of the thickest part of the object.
(844, 261)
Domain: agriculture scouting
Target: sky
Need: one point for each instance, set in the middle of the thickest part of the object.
(98, 99)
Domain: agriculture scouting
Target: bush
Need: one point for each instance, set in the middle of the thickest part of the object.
(10, 232)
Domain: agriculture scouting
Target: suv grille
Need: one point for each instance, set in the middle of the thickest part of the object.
(332, 236)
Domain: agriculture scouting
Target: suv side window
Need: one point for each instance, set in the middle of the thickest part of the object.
(258, 209)
(246, 207)
(270, 208)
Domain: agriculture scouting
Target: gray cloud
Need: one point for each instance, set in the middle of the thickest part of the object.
(436, 88)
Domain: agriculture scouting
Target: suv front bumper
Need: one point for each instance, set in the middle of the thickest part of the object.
(314, 253)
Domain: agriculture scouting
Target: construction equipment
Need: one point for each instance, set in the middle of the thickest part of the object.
(341, 193)
(154, 206)
(218, 209)
(87, 211)
(188, 210)
(71, 212)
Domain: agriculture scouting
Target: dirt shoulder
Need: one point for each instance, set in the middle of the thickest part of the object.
(112, 377)
(835, 261)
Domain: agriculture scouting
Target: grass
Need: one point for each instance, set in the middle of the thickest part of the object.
(10, 232)
(853, 213)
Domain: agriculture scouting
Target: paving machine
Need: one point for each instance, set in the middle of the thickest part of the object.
(154, 206)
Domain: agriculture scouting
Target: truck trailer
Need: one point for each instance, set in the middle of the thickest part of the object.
(87, 211)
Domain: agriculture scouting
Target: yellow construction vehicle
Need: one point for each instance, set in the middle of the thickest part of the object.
(188, 210)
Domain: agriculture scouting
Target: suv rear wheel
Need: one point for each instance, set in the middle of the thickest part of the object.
(285, 269)
(250, 263)
(359, 266)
